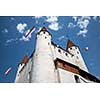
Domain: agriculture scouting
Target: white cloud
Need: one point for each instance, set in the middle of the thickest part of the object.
(54, 26)
(21, 27)
(37, 17)
(62, 37)
(53, 20)
(85, 17)
(71, 25)
(5, 30)
(95, 18)
(82, 32)
(23, 38)
(11, 40)
(83, 23)
(12, 18)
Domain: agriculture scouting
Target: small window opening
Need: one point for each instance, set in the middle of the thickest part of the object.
(70, 48)
(77, 57)
(45, 37)
(66, 54)
(59, 50)
(77, 52)
(77, 79)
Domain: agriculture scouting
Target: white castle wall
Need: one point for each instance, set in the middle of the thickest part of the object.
(69, 77)
(61, 54)
(74, 58)
(66, 76)
(43, 65)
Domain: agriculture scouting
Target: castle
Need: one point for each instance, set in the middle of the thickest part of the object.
(50, 63)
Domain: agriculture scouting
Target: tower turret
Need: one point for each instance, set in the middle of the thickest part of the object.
(74, 50)
(43, 65)
(21, 66)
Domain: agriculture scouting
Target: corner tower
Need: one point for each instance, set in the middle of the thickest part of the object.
(20, 77)
(43, 65)
(78, 59)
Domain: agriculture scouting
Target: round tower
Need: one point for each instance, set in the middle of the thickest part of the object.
(43, 69)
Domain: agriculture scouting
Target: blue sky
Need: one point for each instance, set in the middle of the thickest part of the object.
(83, 30)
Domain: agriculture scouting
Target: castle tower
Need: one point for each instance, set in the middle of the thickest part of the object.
(43, 65)
(74, 50)
(20, 68)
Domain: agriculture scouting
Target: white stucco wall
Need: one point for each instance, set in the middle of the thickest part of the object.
(43, 65)
(66, 76)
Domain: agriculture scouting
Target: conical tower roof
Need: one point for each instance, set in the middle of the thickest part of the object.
(70, 44)
(44, 30)
(24, 60)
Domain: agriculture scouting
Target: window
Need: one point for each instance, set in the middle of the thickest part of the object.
(70, 48)
(75, 47)
(77, 79)
(59, 50)
(66, 54)
(43, 32)
(77, 57)
(77, 52)
(45, 37)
